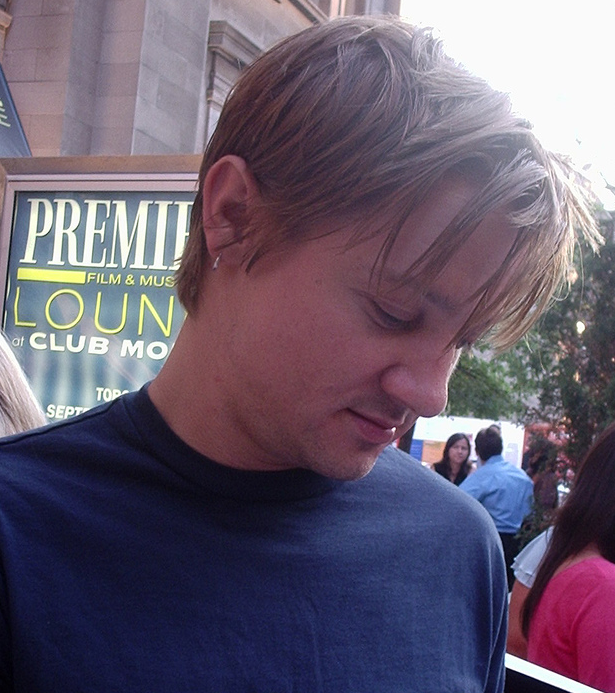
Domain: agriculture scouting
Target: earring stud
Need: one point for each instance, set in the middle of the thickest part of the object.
(216, 262)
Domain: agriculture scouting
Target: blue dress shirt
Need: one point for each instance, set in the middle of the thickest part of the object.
(505, 491)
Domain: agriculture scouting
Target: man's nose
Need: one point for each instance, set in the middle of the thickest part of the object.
(420, 386)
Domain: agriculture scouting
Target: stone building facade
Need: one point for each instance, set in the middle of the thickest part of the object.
(125, 77)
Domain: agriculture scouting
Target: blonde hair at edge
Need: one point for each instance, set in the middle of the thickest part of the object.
(362, 117)
(19, 409)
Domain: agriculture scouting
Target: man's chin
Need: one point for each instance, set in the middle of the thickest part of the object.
(350, 470)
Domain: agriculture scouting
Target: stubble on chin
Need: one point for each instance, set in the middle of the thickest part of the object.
(345, 469)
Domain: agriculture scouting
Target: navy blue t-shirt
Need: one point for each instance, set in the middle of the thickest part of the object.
(131, 563)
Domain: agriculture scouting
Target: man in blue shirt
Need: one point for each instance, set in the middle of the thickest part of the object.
(504, 490)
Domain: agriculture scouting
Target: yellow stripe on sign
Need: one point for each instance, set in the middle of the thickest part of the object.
(31, 274)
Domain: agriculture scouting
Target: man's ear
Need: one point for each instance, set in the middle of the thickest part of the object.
(229, 190)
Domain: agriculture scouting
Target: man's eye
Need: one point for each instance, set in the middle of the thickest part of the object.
(391, 321)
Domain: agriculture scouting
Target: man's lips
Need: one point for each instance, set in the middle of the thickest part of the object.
(375, 430)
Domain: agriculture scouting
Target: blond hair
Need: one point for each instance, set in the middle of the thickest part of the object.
(361, 116)
(19, 408)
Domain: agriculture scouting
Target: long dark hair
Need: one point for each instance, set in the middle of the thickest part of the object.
(443, 467)
(587, 517)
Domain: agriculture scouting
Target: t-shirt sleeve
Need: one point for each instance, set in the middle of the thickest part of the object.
(526, 563)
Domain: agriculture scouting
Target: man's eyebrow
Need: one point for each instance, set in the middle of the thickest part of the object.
(444, 303)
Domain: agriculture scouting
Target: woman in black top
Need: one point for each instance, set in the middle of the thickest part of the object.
(455, 462)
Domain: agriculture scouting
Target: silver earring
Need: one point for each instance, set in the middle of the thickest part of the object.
(216, 262)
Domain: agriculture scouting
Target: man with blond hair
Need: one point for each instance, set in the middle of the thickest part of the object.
(366, 209)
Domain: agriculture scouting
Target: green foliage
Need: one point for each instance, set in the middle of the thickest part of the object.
(547, 470)
(572, 359)
(575, 370)
(534, 524)
(489, 387)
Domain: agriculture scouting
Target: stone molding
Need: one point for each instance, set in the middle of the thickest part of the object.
(5, 23)
(225, 40)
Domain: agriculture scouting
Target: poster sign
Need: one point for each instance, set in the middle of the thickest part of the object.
(13, 140)
(90, 307)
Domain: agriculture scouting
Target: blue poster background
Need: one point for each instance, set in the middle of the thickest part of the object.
(13, 140)
(90, 306)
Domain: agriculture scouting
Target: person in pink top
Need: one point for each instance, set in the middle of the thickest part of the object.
(569, 613)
